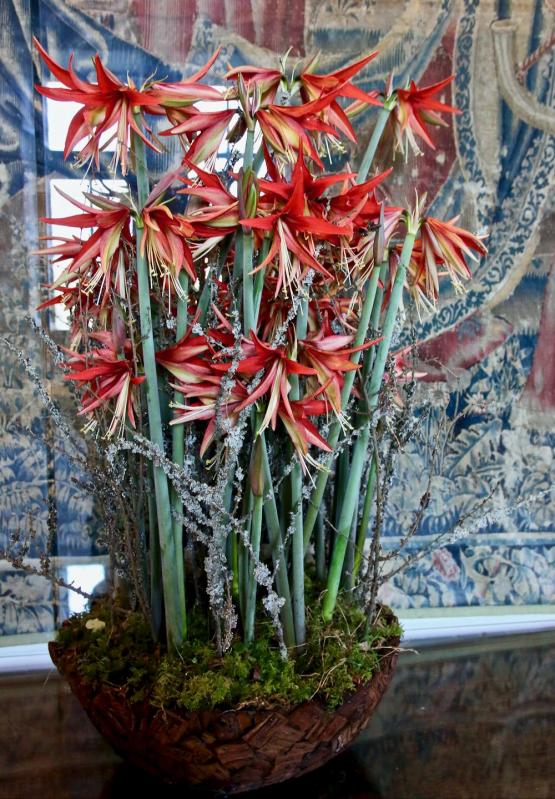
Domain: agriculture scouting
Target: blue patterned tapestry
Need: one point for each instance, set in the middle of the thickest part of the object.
(488, 353)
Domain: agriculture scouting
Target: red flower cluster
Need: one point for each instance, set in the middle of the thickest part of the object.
(109, 374)
(316, 239)
(111, 109)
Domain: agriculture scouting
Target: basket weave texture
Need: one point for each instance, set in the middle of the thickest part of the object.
(230, 750)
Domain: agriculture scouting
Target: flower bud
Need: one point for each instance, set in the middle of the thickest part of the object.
(248, 196)
(243, 94)
(256, 468)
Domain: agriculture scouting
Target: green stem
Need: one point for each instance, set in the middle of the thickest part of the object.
(248, 288)
(258, 160)
(246, 252)
(368, 359)
(155, 566)
(256, 533)
(178, 430)
(298, 548)
(172, 561)
(243, 558)
(359, 455)
(248, 154)
(340, 482)
(259, 278)
(320, 549)
(368, 157)
(278, 552)
(335, 429)
(349, 562)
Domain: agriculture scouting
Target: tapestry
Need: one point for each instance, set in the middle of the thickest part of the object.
(487, 353)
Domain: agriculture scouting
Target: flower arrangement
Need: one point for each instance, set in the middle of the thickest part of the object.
(232, 338)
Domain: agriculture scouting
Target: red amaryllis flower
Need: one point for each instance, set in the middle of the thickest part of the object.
(445, 250)
(184, 359)
(215, 220)
(110, 374)
(302, 432)
(102, 255)
(109, 106)
(329, 355)
(357, 203)
(288, 129)
(209, 126)
(208, 405)
(277, 366)
(294, 232)
(164, 243)
(315, 86)
(265, 81)
(82, 307)
(416, 108)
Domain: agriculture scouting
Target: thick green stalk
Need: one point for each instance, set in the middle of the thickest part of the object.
(335, 429)
(178, 430)
(243, 558)
(298, 548)
(247, 252)
(358, 458)
(278, 552)
(248, 154)
(340, 482)
(171, 559)
(320, 549)
(248, 287)
(258, 160)
(390, 318)
(368, 157)
(256, 533)
(349, 562)
(259, 277)
(155, 566)
(368, 359)
(365, 519)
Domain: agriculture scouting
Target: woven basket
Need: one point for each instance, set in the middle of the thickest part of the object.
(228, 750)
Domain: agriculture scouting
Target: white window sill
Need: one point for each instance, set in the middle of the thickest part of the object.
(419, 631)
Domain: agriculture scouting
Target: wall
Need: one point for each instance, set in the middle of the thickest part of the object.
(489, 351)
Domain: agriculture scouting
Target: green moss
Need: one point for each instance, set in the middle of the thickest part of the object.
(336, 659)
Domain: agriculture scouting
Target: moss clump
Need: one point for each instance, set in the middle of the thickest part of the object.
(336, 659)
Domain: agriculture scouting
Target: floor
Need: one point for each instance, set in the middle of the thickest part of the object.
(460, 722)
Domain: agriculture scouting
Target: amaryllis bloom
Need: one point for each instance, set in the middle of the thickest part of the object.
(315, 86)
(416, 108)
(214, 221)
(92, 276)
(288, 129)
(82, 307)
(357, 203)
(329, 355)
(445, 251)
(294, 233)
(110, 378)
(99, 260)
(207, 405)
(210, 127)
(277, 366)
(265, 81)
(109, 107)
(164, 244)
